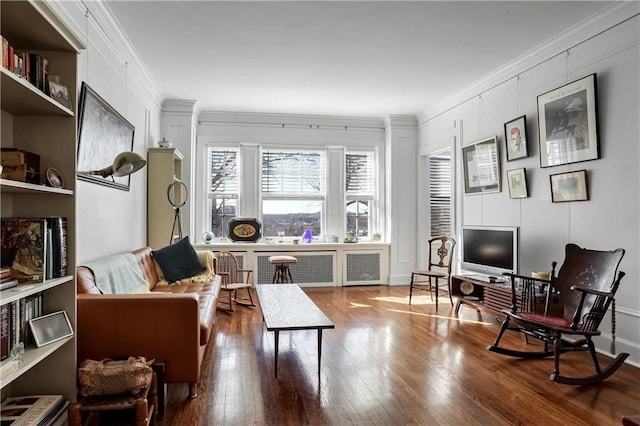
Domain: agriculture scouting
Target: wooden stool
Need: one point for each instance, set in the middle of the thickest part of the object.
(282, 273)
(142, 407)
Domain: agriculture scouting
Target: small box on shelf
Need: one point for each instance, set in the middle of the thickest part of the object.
(20, 165)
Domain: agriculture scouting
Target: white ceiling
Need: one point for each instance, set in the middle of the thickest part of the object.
(359, 58)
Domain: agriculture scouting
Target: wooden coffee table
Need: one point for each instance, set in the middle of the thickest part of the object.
(287, 307)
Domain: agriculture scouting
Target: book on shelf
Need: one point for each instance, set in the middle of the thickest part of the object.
(23, 248)
(32, 410)
(14, 322)
(8, 283)
(35, 249)
(5, 323)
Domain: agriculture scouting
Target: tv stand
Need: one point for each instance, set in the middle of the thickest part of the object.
(479, 293)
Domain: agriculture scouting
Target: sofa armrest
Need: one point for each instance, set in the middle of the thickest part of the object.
(161, 326)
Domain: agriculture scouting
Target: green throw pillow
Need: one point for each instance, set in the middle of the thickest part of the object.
(178, 261)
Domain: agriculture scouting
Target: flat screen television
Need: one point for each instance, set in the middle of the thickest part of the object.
(489, 250)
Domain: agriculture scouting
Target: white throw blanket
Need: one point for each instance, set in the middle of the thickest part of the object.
(119, 274)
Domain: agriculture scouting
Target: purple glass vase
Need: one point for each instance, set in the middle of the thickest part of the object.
(307, 237)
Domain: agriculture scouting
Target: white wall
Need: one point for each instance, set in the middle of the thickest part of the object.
(610, 219)
(109, 220)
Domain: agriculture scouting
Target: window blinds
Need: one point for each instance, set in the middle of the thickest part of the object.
(440, 191)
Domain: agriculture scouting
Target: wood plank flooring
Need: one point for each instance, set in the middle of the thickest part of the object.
(388, 363)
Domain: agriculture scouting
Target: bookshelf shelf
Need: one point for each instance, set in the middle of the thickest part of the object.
(15, 187)
(33, 356)
(21, 97)
(34, 122)
(24, 290)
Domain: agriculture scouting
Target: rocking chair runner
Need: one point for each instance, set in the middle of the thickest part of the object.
(234, 279)
(586, 285)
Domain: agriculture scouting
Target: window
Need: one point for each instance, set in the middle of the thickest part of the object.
(223, 188)
(293, 192)
(360, 190)
(440, 193)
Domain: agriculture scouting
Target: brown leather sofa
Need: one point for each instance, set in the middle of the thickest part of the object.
(171, 323)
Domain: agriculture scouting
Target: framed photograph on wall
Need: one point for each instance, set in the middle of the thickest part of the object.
(517, 181)
(570, 186)
(481, 166)
(568, 123)
(102, 134)
(515, 138)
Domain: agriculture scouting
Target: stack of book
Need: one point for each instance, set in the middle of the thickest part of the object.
(14, 322)
(31, 66)
(6, 280)
(34, 410)
(34, 248)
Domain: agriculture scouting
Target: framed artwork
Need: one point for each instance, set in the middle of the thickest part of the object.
(515, 138)
(60, 93)
(102, 134)
(568, 123)
(481, 166)
(517, 180)
(570, 186)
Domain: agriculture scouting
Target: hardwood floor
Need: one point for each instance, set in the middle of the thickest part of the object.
(388, 363)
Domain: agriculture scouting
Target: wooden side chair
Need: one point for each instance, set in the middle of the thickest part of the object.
(586, 285)
(440, 264)
(235, 282)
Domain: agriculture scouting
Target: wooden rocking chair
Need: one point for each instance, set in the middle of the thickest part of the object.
(586, 285)
(234, 279)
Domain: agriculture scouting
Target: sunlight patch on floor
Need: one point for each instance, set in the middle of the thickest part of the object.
(438, 316)
(415, 300)
(358, 305)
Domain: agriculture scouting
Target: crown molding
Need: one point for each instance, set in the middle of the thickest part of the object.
(603, 20)
(179, 106)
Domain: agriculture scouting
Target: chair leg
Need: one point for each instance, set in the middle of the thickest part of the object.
(503, 328)
(193, 390)
(411, 288)
(436, 292)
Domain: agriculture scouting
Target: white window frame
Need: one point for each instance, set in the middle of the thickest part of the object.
(224, 195)
(370, 196)
(291, 195)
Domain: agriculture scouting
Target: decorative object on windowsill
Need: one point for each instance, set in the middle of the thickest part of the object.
(54, 178)
(164, 143)
(207, 237)
(377, 236)
(125, 163)
(248, 230)
(307, 236)
(351, 237)
(177, 194)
